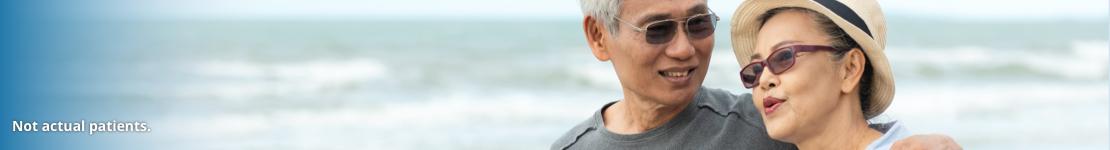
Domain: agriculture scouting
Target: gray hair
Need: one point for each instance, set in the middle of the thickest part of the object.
(603, 11)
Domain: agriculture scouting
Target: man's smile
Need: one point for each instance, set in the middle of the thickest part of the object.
(677, 75)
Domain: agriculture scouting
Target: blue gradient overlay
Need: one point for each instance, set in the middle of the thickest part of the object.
(57, 60)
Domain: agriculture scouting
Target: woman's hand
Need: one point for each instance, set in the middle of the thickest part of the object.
(926, 142)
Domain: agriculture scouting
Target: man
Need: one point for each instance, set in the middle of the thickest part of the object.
(660, 50)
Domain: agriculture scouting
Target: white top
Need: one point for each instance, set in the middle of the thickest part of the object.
(895, 133)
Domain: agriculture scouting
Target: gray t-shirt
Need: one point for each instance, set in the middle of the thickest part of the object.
(716, 119)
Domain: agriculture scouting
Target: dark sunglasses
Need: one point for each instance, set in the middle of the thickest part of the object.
(779, 61)
(662, 31)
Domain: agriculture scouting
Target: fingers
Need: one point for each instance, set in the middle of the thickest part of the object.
(927, 142)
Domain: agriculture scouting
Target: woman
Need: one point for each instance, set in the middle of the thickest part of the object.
(817, 71)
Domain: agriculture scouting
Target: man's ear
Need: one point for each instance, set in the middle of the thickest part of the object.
(852, 66)
(596, 37)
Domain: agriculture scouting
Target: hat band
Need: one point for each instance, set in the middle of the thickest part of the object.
(846, 13)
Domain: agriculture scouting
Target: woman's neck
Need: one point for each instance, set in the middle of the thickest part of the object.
(844, 128)
(636, 115)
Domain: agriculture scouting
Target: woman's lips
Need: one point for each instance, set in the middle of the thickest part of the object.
(770, 104)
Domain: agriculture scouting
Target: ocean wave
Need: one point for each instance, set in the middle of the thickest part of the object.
(1085, 60)
(242, 80)
(459, 119)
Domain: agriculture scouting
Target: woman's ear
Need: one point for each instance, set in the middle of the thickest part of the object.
(596, 37)
(852, 67)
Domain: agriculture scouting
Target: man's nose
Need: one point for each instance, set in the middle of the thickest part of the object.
(681, 47)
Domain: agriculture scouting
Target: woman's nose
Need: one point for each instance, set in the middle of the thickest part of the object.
(768, 80)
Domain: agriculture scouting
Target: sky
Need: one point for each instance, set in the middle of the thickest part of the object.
(568, 9)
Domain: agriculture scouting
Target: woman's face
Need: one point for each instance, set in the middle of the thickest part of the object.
(796, 101)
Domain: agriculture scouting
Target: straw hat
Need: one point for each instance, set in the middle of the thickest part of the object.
(861, 19)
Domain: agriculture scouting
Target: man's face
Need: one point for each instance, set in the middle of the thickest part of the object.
(663, 72)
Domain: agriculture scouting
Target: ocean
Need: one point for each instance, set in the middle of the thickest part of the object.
(521, 83)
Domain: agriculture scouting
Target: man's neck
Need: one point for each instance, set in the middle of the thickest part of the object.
(844, 128)
(635, 115)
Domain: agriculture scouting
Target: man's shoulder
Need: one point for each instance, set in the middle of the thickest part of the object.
(724, 102)
(731, 106)
(574, 134)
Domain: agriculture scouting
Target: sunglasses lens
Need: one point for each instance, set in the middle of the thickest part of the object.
(660, 32)
(781, 60)
(700, 26)
(749, 73)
